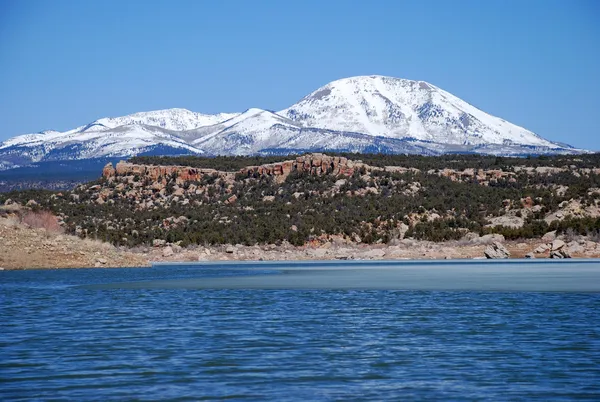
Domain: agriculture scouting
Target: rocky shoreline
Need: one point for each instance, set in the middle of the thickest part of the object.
(28, 248)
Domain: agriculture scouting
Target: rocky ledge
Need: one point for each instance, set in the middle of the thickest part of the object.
(316, 164)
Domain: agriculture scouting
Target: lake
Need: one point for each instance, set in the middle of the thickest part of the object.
(403, 330)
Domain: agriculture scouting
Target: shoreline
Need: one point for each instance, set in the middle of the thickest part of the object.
(69, 252)
(23, 247)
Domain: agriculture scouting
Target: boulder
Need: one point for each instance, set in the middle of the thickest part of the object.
(530, 255)
(560, 254)
(496, 251)
(557, 245)
(549, 237)
(158, 242)
(229, 249)
(470, 236)
(167, 251)
(541, 249)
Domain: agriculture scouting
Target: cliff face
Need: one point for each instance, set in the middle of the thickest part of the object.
(154, 173)
(315, 164)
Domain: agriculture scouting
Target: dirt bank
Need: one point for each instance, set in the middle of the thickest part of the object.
(24, 247)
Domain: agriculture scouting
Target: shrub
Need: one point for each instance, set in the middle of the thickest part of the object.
(42, 220)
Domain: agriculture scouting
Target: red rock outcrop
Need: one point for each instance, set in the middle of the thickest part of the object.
(316, 164)
(182, 173)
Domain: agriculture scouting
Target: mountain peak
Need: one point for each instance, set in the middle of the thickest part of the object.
(384, 106)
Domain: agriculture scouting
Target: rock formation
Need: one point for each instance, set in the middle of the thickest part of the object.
(496, 251)
(152, 172)
(315, 164)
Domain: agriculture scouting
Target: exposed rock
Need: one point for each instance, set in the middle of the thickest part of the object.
(167, 251)
(343, 254)
(470, 236)
(496, 251)
(158, 242)
(101, 260)
(315, 164)
(402, 229)
(530, 255)
(575, 248)
(108, 171)
(557, 245)
(229, 249)
(549, 237)
(560, 254)
(541, 249)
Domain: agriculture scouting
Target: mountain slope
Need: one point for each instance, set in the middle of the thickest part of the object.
(169, 119)
(135, 134)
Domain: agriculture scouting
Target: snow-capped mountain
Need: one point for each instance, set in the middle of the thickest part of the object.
(357, 114)
(399, 108)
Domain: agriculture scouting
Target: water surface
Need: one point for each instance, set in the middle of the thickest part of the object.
(317, 331)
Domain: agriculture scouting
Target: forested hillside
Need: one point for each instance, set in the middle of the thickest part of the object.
(363, 198)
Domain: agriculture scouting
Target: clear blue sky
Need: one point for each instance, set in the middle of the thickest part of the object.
(535, 63)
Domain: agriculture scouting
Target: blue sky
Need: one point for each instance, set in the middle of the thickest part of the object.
(535, 63)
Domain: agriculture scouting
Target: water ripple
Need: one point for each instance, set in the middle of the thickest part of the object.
(62, 341)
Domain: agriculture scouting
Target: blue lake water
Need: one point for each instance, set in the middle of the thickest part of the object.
(303, 331)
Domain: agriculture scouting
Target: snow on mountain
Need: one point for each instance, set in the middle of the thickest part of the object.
(169, 119)
(126, 140)
(399, 108)
(357, 114)
(246, 133)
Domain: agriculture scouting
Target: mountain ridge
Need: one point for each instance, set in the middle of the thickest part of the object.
(356, 114)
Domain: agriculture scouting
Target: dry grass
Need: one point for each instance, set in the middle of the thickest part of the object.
(96, 244)
(42, 220)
